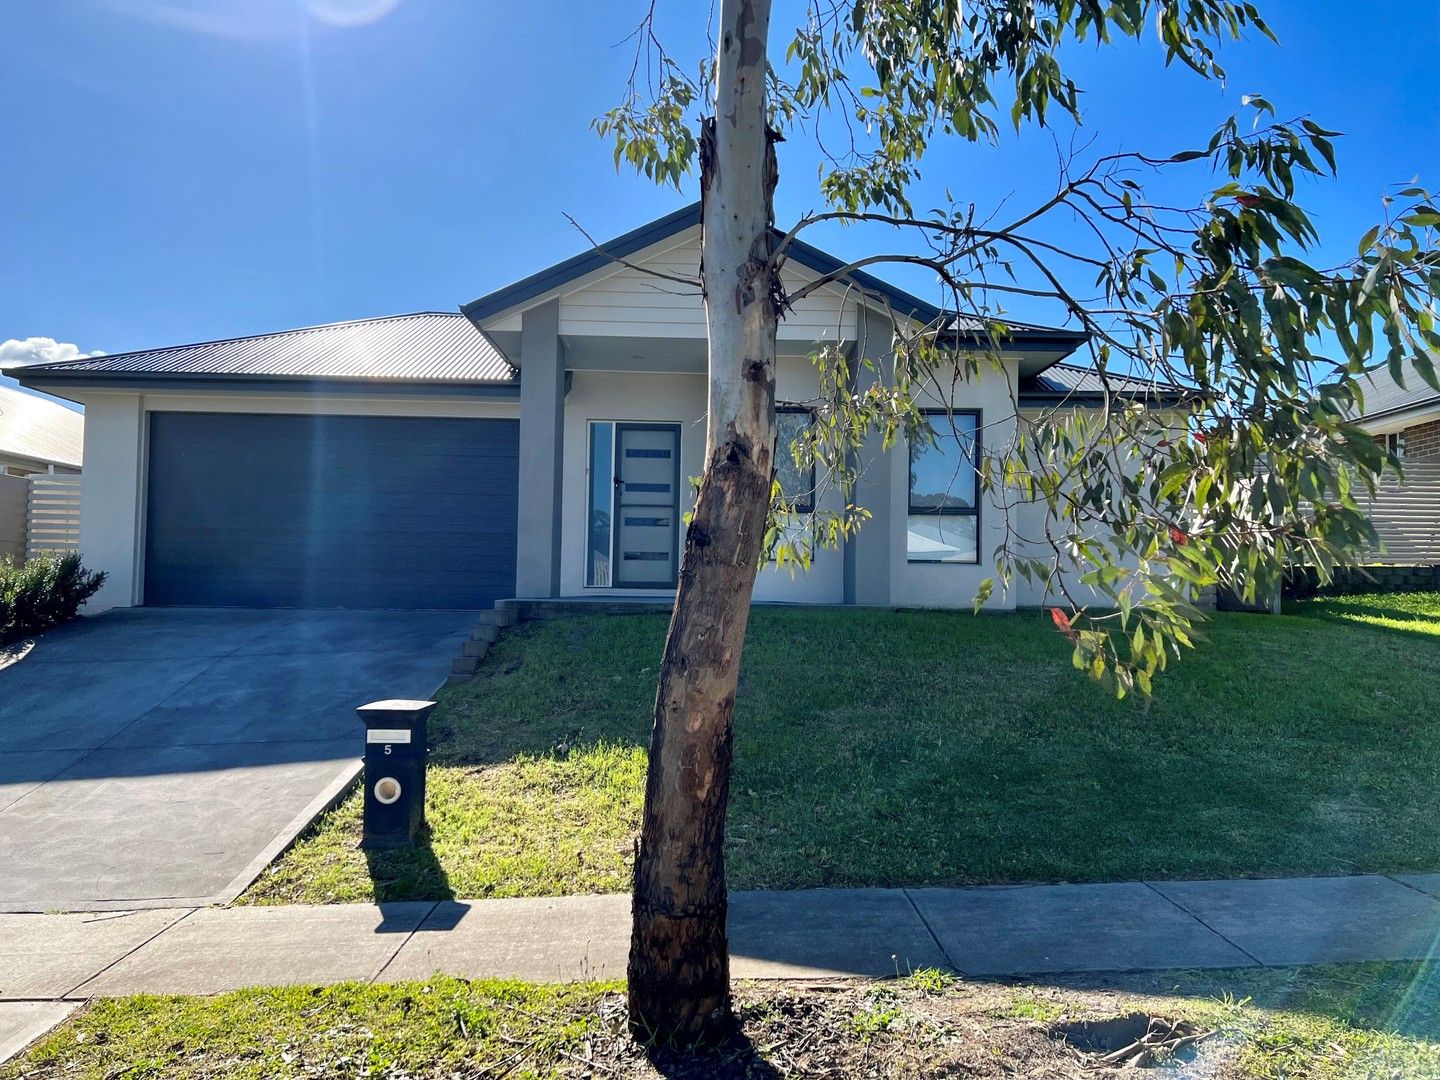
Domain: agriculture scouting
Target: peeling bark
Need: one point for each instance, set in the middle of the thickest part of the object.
(679, 970)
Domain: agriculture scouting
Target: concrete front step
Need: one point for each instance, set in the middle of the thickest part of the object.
(483, 634)
(523, 610)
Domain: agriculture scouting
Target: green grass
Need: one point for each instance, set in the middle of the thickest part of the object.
(889, 748)
(1370, 1020)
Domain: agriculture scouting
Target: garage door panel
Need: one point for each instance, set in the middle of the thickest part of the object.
(302, 511)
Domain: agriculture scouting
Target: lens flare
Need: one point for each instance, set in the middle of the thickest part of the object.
(350, 13)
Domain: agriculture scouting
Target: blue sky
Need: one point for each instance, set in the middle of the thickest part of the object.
(180, 170)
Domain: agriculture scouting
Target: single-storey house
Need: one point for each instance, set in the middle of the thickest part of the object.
(539, 443)
(40, 439)
(38, 435)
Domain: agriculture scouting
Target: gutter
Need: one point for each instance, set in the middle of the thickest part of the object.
(1089, 399)
(1398, 410)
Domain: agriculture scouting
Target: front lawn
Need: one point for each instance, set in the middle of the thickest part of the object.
(1354, 1021)
(933, 748)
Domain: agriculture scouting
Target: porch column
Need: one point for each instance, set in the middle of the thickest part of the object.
(542, 434)
(867, 553)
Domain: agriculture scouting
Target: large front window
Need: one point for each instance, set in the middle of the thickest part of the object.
(943, 524)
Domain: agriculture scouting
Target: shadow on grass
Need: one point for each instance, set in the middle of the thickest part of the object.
(1397, 997)
(402, 873)
(1403, 615)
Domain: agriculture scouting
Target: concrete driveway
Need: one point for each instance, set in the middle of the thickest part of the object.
(153, 757)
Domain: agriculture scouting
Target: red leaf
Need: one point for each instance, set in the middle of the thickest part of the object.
(1201, 437)
(1249, 201)
(1060, 619)
(1178, 535)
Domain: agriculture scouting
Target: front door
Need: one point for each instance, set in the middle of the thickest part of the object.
(647, 505)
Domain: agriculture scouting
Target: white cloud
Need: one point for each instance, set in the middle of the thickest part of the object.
(39, 350)
(16, 353)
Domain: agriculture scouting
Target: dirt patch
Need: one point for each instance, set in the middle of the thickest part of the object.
(892, 1030)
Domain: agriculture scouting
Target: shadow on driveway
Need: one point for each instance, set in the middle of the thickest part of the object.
(152, 756)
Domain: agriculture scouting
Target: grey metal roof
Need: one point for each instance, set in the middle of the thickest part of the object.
(1384, 396)
(1079, 384)
(431, 346)
(36, 428)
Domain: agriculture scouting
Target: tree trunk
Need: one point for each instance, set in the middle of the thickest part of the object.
(679, 958)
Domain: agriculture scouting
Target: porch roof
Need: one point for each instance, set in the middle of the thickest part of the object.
(553, 280)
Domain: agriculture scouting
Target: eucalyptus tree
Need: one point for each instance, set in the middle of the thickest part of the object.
(1218, 298)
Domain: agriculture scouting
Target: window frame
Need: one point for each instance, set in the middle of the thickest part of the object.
(977, 452)
(808, 507)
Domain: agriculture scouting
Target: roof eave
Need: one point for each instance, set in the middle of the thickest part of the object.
(597, 258)
(39, 463)
(537, 285)
(1400, 410)
(552, 281)
(904, 304)
(1092, 400)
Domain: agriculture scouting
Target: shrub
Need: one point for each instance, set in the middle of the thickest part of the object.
(43, 592)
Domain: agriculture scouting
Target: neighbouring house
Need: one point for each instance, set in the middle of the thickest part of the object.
(537, 444)
(39, 438)
(1405, 513)
(38, 435)
(1406, 417)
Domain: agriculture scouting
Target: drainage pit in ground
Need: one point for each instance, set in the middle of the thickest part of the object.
(1135, 1040)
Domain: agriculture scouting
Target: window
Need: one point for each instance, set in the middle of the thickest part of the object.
(1395, 443)
(797, 484)
(602, 503)
(943, 524)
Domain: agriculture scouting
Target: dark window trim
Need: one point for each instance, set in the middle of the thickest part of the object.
(808, 506)
(976, 454)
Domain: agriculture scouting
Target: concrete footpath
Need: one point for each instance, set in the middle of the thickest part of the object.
(821, 933)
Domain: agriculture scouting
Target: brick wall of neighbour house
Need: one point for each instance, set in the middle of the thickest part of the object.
(1423, 440)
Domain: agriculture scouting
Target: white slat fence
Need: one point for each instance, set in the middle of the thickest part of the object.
(53, 515)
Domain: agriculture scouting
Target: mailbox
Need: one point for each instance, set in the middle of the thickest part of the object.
(395, 754)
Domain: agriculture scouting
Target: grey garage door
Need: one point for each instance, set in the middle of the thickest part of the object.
(330, 511)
